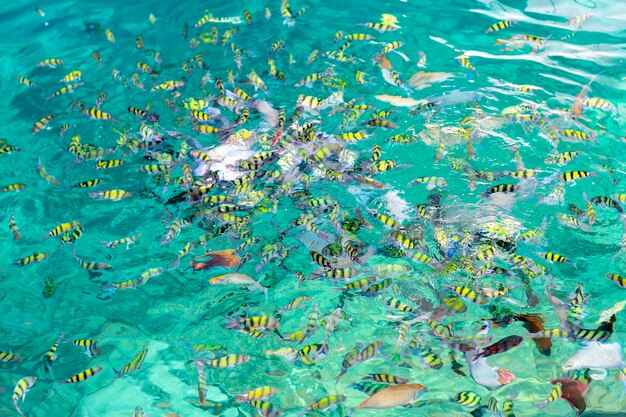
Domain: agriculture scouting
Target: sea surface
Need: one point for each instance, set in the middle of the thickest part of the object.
(426, 194)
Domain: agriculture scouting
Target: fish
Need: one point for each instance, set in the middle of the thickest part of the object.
(34, 258)
(226, 258)
(393, 396)
(595, 355)
(325, 402)
(9, 357)
(90, 346)
(113, 195)
(260, 393)
(25, 81)
(252, 155)
(50, 356)
(387, 379)
(238, 279)
(42, 123)
(13, 227)
(110, 36)
(123, 241)
(83, 375)
(227, 361)
(499, 26)
(266, 409)
(21, 389)
(572, 392)
(50, 62)
(134, 282)
(500, 346)
(133, 365)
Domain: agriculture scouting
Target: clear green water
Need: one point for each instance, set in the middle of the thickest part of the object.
(180, 304)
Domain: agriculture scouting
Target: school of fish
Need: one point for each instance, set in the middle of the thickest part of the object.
(296, 236)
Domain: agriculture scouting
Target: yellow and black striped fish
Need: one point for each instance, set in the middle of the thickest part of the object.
(50, 356)
(14, 228)
(276, 46)
(618, 279)
(114, 195)
(98, 114)
(9, 357)
(500, 188)
(468, 399)
(133, 365)
(64, 90)
(326, 402)
(52, 63)
(228, 361)
(90, 346)
(35, 257)
(574, 175)
(321, 260)
(387, 378)
(84, 375)
(43, 122)
(260, 393)
(499, 26)
(266, 409)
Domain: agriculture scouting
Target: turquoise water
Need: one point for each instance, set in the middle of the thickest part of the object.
(506, 118)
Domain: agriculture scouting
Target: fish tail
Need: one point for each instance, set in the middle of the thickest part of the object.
(106, 292)
(340, 375)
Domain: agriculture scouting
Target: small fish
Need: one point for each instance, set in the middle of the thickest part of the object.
(387, 379)
(110, 36)
(468, 399)
(266, 409)
(90, 346)
(133, 365)
(468, 294)
(61, 228)
(228, 361)
(14, 228)
(35, 257)
(618, 279)
(554, 395)
(393, 396)
(25, 81)
(21, 388)
(13, 187)
(83, 375)
(9, 357)
(574, 175)
(577, 21)
(123, 241)
(97, 114)
(554, 257)
(137, 281)
(326, 402)
(52, 63)
(43, 122)
(499, 26)
(465, 62)
(500, 346)
(113, 195)
(260, 393)
(50, 356)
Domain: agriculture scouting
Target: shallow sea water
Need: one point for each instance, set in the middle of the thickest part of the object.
(179, 307)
